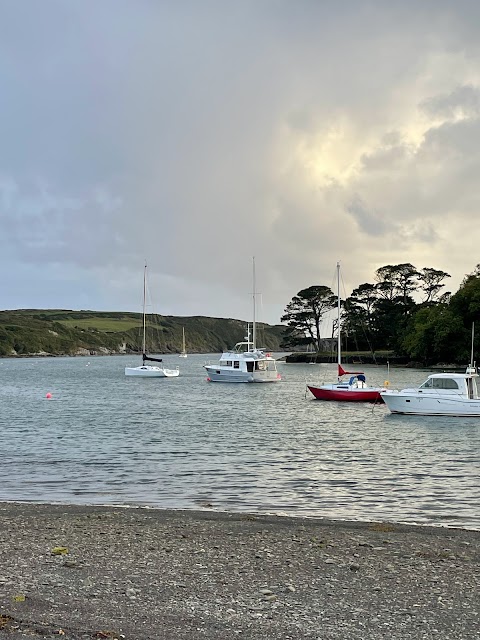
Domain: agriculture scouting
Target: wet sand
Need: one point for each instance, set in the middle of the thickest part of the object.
(81, 572)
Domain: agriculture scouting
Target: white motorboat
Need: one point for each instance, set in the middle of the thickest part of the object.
(442, 394)
(147, 370)
(245, 362)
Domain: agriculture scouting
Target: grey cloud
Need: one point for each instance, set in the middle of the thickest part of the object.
(44, 227)
(369, 221)
(461, 138)
(386, 158)
(189, 134)
(464, 101)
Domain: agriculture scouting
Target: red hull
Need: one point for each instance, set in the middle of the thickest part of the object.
(345, 395)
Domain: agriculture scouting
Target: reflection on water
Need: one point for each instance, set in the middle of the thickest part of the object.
(187, 443)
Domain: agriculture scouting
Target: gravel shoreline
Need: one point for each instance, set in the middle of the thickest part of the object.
(81, 572)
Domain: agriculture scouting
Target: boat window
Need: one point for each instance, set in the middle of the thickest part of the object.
(427, 384)
(250, 366)
(236, 364)
(444, 383)
(228, 363)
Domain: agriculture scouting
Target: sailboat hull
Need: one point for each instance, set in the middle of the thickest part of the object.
(151, 372)
(343, 393)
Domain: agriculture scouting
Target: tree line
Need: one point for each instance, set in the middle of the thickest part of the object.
(405, 310)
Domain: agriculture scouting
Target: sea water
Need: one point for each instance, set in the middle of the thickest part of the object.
(103, 438)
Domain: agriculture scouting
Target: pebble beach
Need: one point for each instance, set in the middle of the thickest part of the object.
(81, 572)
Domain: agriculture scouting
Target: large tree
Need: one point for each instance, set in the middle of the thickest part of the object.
(304, 314)
(431, 281)
(397, 281)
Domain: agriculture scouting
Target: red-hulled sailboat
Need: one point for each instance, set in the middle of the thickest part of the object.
(355, 389)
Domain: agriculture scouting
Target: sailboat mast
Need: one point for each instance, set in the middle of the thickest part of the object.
(339, 342)
(254, 338)
(144, 303)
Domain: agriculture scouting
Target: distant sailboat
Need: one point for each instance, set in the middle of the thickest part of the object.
(183, 352)
(147, 370)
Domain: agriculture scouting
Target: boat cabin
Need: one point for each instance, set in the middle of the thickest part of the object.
(450, 383)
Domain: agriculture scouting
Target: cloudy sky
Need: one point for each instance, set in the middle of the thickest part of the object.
(199, 133)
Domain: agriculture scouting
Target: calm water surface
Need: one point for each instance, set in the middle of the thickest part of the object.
(186, 443)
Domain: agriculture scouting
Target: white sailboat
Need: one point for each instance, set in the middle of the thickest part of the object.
(245, 362)
(183, 352)
(147, 370)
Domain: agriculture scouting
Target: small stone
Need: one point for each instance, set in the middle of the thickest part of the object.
(70, 564)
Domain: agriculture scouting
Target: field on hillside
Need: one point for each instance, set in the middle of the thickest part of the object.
(108, 325)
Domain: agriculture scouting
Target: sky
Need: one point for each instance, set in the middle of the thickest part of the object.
(193, 135)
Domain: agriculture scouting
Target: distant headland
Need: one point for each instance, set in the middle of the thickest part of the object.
(60, 332)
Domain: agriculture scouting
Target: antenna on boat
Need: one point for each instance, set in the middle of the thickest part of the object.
(254, 336)
(473, 335)
(472, 367)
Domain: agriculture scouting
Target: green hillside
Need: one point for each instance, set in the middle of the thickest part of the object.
(63, 332)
